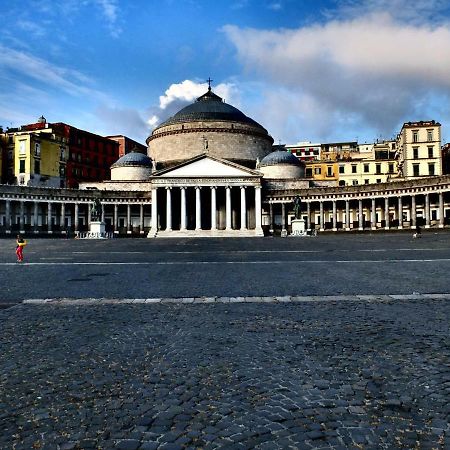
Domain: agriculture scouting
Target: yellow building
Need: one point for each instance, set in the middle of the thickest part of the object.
(419, 149)
(39, 159)
(322, 170)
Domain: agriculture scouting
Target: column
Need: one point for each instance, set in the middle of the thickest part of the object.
(360, 214)
(128, 218)
(283, 220)
(213, 208)
(308, 215)
(258, 209)
(228, 208)
(427, 210)
(243, 209)
(141, 218)
(62, 219)
(198, 209)
(116, 218)
(400, 213)
(49, 218)
(271, 217)
(441, 210)
(386, 213)
(413, 212)
(347, 215)
(168, 209)
(322, 225)
(154, 218)
(373, 215)
(102, 217)
(35, 217)
(334, 216)
(8, 216)
(75, 219)
(22, 217)
(183, 209)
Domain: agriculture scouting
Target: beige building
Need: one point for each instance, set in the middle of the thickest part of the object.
(419, 150)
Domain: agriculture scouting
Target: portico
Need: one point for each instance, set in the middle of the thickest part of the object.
(206, 196)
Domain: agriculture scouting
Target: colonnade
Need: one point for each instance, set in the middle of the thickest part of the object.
(403, 211)
(56, 216)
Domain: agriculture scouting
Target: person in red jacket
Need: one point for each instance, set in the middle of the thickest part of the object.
(19, 248)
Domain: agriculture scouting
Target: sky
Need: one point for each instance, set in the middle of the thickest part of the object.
(307, 70)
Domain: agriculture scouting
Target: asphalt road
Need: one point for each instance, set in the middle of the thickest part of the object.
(379, 263)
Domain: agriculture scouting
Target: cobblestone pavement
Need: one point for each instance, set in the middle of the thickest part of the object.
(363, 374)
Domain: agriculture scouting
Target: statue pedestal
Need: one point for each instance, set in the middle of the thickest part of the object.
(298, 227)
(97, 230)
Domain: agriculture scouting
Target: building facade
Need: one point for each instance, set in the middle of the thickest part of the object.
(212, 171)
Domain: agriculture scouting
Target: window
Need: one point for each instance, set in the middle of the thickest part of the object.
(430, 135)
(22, 148)
(317, 170)
(37, 166)
(415, 136)
(341, 169)
(22, 166)
(37, 149)
(431, 169)
(430, 152)
(391, 168)
(353, 168)
(366, 181)
(354, 182)
(341, 182)
(62, 170)
(415, 152)
(378, 169)
(416, 172)
(329, 171)
(62, 153)
(366, 168)
(378, 180)
(308, 172)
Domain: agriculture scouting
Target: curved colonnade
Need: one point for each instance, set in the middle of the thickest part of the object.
(396, 205)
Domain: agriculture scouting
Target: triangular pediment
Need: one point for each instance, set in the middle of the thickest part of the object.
(206, 166)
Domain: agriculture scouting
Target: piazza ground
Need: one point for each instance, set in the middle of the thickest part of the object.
(306, 343)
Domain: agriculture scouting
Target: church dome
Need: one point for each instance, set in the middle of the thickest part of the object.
(209, 125)
(207, 107)
(280, 157)
(133, 166)
(282, 164)
(133, 159)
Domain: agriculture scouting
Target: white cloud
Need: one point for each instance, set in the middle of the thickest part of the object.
(370, 71)
(181, 94)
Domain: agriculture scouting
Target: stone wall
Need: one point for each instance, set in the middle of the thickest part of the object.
(224, 140)
(130, 173)
(287, 171)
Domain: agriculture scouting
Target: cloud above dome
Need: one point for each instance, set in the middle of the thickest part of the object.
(179, 95)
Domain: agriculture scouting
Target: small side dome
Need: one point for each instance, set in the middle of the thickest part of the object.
(282, 164)
(279, 157)
(133, 166)
(133, 159)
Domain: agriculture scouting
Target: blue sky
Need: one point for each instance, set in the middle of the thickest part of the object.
(306, 70)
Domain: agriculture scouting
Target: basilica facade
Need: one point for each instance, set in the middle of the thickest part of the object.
(212, 171)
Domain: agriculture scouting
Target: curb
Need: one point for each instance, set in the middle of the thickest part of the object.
(209, 300)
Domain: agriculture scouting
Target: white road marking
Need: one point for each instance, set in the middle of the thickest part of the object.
(172, 263)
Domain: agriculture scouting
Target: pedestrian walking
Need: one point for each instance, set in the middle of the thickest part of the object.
(20, 244)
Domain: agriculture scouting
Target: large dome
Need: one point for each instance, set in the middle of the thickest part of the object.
(209, 107)
(209, 125)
